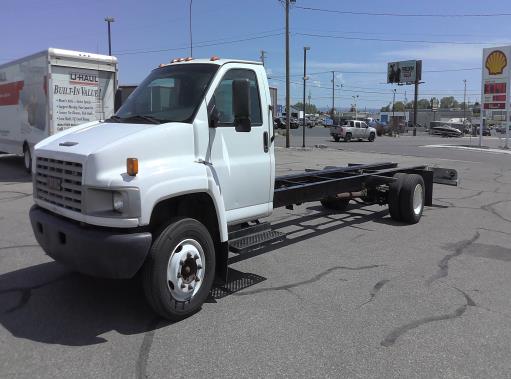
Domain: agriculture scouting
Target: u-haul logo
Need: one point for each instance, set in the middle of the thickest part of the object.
(80, 78)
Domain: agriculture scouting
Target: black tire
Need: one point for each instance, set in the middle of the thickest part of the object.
(154, 275)
(393, 196)
(27, 159)
(335, 204)
(371, 137)
(412, 202)
(336, 139)
(347, 137)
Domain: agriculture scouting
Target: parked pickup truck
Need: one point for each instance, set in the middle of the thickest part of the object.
(181, 175)
(353, 129)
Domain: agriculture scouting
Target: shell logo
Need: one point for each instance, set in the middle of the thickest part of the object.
(496, 62)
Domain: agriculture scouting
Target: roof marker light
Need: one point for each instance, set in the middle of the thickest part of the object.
(188, 59)
(214, 58)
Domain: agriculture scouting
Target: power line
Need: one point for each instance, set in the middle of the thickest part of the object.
(395, 40)
(197, 45)
(392, 14)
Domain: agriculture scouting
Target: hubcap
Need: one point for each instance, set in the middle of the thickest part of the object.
(185, 271)
(417, 199)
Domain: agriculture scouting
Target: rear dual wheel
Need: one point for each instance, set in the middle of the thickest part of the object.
(406, 198)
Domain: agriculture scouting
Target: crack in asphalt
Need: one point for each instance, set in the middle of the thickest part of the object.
(443, 265)
(391, 338)
(308, 281)
(377, 287)
(495, 231)
(26, 292)
(145, 349)
(17, 195)
(489, 208)
(16, 247)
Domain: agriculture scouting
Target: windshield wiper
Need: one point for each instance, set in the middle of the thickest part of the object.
(150, 119)
(113, 118)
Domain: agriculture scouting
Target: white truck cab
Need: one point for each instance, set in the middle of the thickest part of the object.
(200, 132)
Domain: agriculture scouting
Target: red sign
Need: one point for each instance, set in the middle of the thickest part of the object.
(491, 88)
(499, 97)
(10, 93)
(495, 106)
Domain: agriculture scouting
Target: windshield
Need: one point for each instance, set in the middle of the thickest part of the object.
(171, 93)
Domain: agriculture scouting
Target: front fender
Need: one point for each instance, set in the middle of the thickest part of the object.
(185, 180)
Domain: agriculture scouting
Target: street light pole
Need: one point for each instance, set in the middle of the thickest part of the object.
(288, 105)
(355, 104)
(333, 94)
(304, 83)
(191, 40)
(109, 20)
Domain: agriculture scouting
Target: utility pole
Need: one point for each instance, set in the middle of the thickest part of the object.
(191, 40)
(333, 94)
(109, 20)
(464, 102)
(263, 56)
(415, 100)
(393, 116)
(355, 105)
(304, 83)
(288, 106)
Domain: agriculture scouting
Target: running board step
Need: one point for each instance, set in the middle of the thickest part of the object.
(255, 240)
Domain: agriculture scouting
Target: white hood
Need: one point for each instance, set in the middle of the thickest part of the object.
(90, 138)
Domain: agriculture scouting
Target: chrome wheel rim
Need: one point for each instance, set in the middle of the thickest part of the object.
(417, 199)
(185, 270)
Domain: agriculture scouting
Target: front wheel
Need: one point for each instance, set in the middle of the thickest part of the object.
(180, 269)
(347, 137)
(336, 139)
(27, 159)
(371, 137)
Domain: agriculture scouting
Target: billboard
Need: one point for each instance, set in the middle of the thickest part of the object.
(404, 72)
(495, 86)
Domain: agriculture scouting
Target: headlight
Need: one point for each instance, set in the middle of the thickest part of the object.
(118, 202)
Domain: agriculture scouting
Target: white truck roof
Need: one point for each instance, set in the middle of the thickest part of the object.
(218, 62)
(61, 53)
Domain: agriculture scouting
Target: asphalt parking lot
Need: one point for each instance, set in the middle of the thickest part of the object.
(350, 294)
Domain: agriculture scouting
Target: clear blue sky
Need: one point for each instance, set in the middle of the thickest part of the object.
(149, 25)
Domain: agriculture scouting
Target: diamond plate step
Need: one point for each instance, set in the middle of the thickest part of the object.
(256, 240)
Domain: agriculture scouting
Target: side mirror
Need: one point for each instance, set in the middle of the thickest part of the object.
(241, 105)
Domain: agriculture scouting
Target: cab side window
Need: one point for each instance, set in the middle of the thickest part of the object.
(223, 97)
(357, 124)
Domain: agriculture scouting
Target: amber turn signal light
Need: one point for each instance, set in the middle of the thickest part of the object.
(132, 166)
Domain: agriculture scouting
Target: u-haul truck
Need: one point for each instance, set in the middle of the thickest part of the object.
(50, 91)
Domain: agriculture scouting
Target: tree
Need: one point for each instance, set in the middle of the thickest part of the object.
(386, 108)
(399, 106)
(423, 104)
(308, 108)
(448, 102)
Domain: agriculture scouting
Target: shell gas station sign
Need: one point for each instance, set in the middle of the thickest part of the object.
(495, 91)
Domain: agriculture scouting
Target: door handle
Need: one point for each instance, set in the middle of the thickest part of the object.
(265, 142)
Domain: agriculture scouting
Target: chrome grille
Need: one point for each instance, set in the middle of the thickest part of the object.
(59, 182)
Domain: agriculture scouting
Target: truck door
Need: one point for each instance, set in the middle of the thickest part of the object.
(364, 132)
(241, 160)
(357, 131)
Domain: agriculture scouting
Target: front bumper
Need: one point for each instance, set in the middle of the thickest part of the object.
(90, 250)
